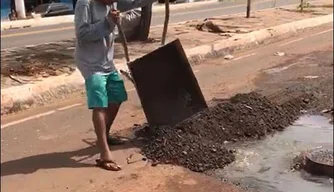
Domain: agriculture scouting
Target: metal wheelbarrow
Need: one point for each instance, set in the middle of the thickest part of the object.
(166, 85)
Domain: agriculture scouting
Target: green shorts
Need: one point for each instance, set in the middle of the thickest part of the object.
(104, 89)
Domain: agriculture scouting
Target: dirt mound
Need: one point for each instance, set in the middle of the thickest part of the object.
(198, 142)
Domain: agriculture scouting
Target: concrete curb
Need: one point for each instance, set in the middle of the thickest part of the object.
(22, 97)
(70, 18)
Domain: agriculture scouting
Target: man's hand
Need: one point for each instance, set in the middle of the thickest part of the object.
(114, 15)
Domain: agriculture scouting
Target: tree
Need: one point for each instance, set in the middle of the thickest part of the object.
(145, 23)
(249, 2)
(164, 32)
(301, 5)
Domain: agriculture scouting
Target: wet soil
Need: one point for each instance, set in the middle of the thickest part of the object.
(199, 142)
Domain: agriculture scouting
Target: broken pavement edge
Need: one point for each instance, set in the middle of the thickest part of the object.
(22, 97)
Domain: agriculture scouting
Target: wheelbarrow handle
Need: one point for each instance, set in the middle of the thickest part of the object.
(122, 36)
(125, 46)
(123, 41)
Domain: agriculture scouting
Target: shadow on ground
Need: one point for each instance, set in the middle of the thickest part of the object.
(69, 159)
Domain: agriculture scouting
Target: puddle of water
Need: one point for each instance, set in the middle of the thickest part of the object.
(265, 165)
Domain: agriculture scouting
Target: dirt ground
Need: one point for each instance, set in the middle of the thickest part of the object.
(302, 74)
(27, 65)
(51, 148)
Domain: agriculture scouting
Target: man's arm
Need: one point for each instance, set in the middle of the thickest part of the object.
(85, 31)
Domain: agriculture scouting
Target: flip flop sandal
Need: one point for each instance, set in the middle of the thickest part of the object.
(116, 140)
(108, 165)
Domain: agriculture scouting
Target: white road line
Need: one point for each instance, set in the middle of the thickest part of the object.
(322, 32)
(244, 56)
(293, 41)
(27, 119)
(69, 107)
(299, 39)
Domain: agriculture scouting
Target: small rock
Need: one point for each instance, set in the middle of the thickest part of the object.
(228, 57)
(264, 169)
(327, 110)
(306, 100)
(311, 77)
(232, 151)
(225, 142)
(25, 106)
(225, 34)
(249, 107)
(279, 54)
(242, 31)
(184, 152)
(45, 75)
(303, 111)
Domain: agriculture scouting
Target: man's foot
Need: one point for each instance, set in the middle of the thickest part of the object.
(108, 165)
(116, 140)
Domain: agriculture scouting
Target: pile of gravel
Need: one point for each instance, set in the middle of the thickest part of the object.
(198, 142)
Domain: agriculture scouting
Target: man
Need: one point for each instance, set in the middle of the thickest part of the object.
(94, 26)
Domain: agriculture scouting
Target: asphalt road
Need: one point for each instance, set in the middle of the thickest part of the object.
(45, 34)
(41, 147)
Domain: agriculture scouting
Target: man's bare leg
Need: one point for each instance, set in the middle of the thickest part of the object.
(111, 114)
(99, 120)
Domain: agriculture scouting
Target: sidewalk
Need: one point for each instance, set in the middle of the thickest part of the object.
(38, 21)
(48, 71)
